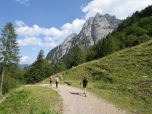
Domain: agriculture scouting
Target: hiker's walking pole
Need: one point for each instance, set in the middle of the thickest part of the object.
(80, 86)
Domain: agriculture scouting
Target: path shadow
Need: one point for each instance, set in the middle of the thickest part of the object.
(80, 94)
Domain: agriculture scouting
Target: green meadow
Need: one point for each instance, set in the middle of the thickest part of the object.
(31, 100)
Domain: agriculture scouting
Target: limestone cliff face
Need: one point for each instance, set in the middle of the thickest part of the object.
(94, 29)
(85, 34)
(112, 20)
(61, 50)
(100, 28)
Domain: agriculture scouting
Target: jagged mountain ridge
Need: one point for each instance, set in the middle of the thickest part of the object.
(94, 29)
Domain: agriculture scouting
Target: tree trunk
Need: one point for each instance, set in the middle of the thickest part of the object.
(2, 82)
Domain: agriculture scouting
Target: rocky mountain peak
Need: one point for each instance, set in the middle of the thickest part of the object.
(113, 21)
(94, 29)
(98, 14)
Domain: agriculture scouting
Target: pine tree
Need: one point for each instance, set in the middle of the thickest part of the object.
(39, 70)
(9, 49)
(40, 55)
(38, 64)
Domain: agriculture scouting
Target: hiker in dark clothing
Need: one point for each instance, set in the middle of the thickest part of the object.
(85, 82)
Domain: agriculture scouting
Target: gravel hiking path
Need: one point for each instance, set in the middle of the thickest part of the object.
(74, 102)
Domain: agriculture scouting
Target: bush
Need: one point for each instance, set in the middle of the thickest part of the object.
(141, 39)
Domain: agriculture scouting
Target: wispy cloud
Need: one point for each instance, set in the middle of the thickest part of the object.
(20, 23)
(25, 2)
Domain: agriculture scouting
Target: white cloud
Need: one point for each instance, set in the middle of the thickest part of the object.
(36, 31)
(29, 41)
(53, 36)
(34, 41)
(49, 45)
(23, 2)
(120, 8)
(75, 27)
(56, 33)
(48, 39)
(30, 31)
(25, 59)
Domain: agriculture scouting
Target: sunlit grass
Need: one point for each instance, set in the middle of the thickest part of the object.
(32, 100)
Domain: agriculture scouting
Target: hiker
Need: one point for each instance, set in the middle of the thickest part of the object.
(57, 80)
(85, 82)
(51, 80)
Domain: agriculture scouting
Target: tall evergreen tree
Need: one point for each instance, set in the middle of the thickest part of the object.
(9, 49)
(38, 64)
(39, 70)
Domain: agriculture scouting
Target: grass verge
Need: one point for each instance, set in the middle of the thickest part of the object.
(32, 100)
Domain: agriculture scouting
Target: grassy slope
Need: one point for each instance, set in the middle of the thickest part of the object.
(123, 78)
(31, 100)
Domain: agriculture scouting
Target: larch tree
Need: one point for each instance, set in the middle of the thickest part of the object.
(9, 50)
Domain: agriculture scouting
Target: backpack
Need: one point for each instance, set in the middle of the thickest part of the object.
(57, 79)
(85, 81)
(51, 79)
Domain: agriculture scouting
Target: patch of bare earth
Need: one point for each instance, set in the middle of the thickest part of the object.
(74, 102)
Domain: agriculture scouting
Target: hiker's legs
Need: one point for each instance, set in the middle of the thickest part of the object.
(56, 84)
(84, 86)
(51, 83)
(84, 90)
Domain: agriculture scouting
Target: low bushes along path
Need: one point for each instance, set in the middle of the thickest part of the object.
(74, 102)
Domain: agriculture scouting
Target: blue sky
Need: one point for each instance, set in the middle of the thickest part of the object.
(44, 24)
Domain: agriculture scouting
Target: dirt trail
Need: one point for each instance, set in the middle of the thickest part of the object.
(75, 102)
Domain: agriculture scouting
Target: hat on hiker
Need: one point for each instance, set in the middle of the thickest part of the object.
(84, 76)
